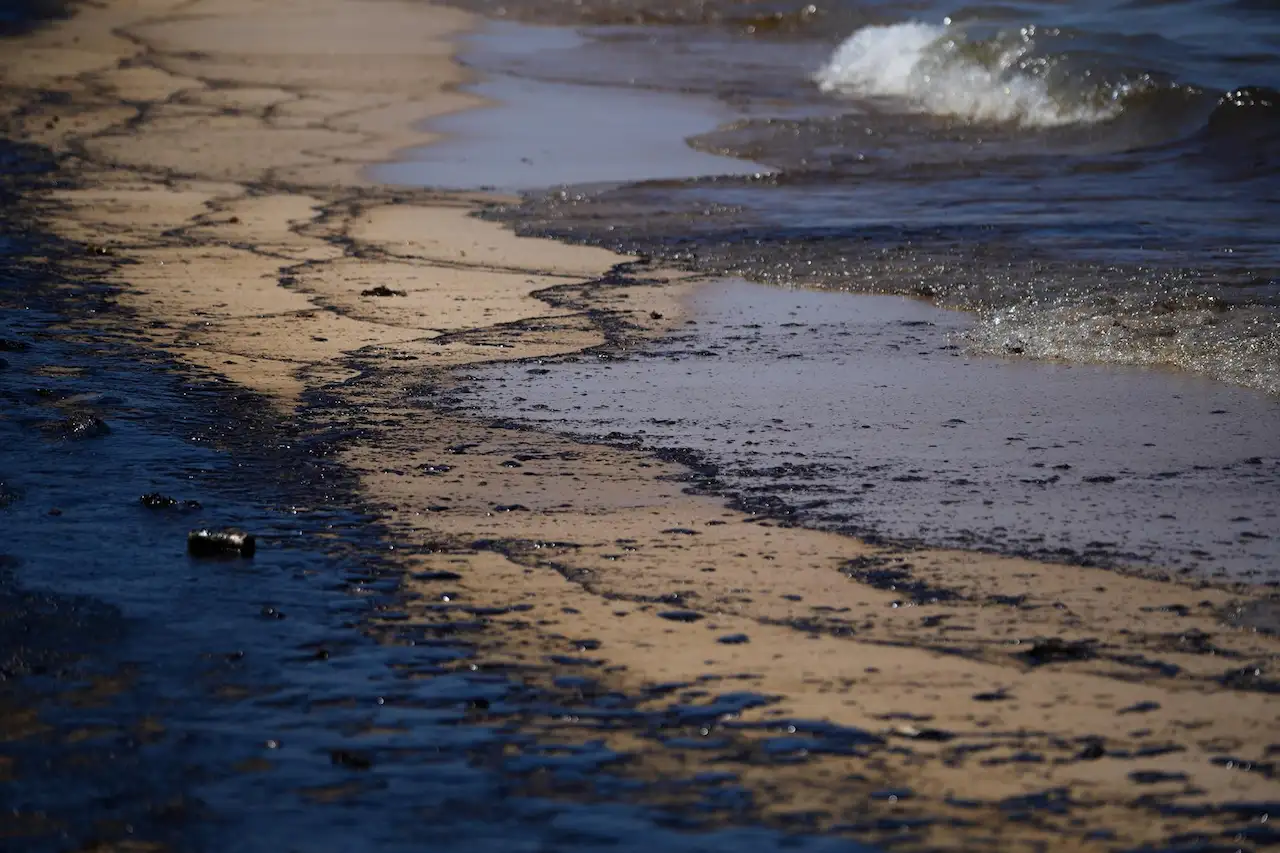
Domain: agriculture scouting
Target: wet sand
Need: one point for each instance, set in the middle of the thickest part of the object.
(863, 414)
(225, 165)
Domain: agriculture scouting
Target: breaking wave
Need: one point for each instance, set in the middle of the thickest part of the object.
(935, 69)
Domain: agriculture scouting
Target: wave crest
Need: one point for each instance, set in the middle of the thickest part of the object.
(935, 70)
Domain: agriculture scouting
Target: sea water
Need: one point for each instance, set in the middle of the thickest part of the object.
(1096, 181)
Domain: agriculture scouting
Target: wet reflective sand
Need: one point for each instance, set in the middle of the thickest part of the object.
(863, 414)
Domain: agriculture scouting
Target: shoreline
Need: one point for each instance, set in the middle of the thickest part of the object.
(859, 414)
(233, 182)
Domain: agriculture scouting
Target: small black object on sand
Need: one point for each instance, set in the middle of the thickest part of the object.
(220, 543)
(1057, 650)
(382, 290)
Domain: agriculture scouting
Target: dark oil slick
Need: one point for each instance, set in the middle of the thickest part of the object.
(156, 698)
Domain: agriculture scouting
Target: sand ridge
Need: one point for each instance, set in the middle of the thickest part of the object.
(218, 149)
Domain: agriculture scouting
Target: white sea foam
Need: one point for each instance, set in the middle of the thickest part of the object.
(925, 66)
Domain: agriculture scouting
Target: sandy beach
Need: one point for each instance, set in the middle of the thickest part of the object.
(221, 152)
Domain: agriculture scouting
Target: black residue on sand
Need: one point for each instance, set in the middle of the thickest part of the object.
(148, 697)
(858, 414)
(127, 667)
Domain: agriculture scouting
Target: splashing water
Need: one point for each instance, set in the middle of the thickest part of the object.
(935, 70)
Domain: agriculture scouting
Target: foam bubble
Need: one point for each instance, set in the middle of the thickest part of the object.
(928, 67)
(1236, 344)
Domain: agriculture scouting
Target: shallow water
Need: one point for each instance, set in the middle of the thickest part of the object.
(860, 414)
(1098, 181)
(537, 134)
